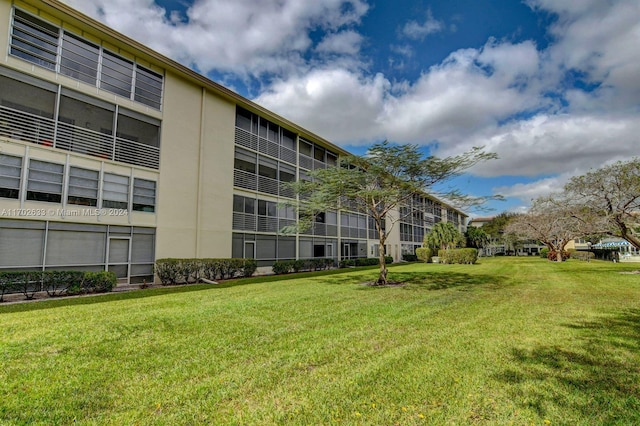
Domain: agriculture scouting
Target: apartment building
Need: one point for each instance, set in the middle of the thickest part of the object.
(112, 156)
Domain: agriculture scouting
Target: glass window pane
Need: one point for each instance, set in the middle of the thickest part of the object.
(144, 195)
(117, 74)
(10, 172)
(45, 181)
(34, 40)
(79, 59)
(148, 87)
(115, 191)
(83, 187)
(138, 131)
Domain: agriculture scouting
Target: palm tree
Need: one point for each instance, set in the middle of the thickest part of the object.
(443, 235)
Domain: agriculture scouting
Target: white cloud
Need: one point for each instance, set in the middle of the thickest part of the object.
(342, 43)
(239, 36)
(419, 30)
(452, 100)
(514, 98)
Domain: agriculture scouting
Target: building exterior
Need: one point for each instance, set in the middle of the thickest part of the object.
(112, 156)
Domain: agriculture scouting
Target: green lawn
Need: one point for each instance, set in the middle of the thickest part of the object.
(508, 341)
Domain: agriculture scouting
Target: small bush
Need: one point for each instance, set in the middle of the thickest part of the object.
(347, 263)
(282, 266)
(410, 257)
(56, 283)
(168, 270)
(553, 255)
(249, 267)
(99, 282)
(424, 254)
(544, 253)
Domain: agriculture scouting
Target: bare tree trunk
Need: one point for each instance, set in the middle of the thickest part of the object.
(382, 278)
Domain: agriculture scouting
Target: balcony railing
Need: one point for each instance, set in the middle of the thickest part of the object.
(42, 131)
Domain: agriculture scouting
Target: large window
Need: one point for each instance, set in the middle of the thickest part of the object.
(115, 191)
(117, 74)
(79, 58)
(144, 195)
(34, 40)
(83, 187)
(10, 171)
(45, 181)
(43, 44)
(148, 87)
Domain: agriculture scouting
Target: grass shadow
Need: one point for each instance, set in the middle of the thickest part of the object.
(596, 377)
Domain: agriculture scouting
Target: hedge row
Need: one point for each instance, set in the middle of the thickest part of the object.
(287, 266)
(410, 257)
(184, 271)
(56, 283)
(364, 261)
(467, 256)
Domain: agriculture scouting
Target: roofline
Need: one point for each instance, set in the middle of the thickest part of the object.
(56, 8)
(53, 6)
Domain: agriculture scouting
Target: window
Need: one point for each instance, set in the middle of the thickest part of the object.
(245, 161)
(83, 187)
(117, 74)
(318, 153)
(144, 195)
(27, 98)
(44, 44)
(34, 40)
(148, 87)
(138, 128)
(115, 191)
(79, 59)
(267, 208)
(288, 139)
(10, 170)
(244, 204)
(45, 181)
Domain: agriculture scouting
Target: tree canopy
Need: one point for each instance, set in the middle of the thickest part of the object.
(443, 236)
(380, 183)
(610, 199)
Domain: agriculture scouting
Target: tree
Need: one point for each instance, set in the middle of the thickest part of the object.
(444, 236)
(495, 231)
(380, 184)
(550, 220)
(476, 237)
(610, 199)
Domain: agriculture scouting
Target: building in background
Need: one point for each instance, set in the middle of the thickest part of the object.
(112, 156)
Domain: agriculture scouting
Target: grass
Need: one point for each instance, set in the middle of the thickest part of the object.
(508, 341)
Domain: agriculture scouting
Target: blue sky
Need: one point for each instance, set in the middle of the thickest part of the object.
(551, 86)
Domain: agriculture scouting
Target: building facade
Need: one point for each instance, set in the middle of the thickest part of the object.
(112, 156)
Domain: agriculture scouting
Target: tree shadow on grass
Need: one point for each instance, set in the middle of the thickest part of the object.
(413, 281)
(594, 380)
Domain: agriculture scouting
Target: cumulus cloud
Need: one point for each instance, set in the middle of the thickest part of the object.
(471, 89)
(342, 43)
(514, 98)
(238, 36)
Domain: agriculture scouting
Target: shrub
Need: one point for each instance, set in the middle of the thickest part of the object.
(553, 255)
(466, 256)
(544, 253)
(582, 255)
(249, 267)
(388, 260)
(424, 254)
(410, 257)
(56, 283)
(347, 263)
(99, 282)
(168, 270)
(282, 266)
